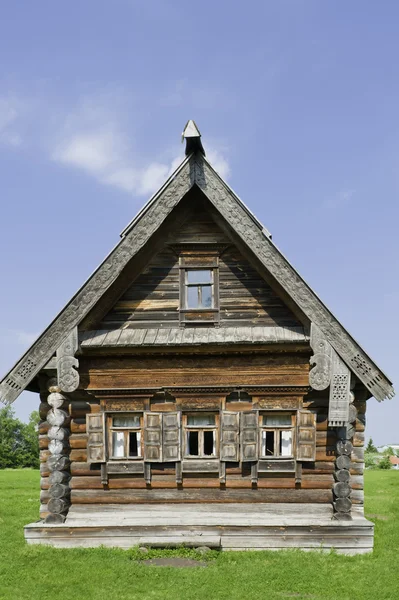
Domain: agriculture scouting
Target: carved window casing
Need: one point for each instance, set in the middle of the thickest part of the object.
(201, 435)
(199, 288)
(125, 439)
(277, 435)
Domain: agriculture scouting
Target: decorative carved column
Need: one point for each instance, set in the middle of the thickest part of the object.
(342, 488)
(58, 462)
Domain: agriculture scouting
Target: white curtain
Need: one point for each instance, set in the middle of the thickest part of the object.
(286, 443)
(118, 443)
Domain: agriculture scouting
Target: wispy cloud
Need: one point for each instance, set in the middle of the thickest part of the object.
(99, 138)
(8, 120)
(344, 196)
(93, 141)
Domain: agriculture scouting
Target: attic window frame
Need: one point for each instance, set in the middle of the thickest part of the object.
(199, 262)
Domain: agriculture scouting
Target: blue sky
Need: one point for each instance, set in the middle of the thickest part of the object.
(297, 102)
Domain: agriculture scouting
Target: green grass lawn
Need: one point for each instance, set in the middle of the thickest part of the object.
(40, 572)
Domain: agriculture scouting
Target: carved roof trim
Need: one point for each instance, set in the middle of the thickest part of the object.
(194, 169)
(260, 243)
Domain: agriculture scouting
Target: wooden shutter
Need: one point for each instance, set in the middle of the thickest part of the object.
(249, 436)
(306, 436)
(171, 436)
(153, 437)
(229, 437)
(95, 427)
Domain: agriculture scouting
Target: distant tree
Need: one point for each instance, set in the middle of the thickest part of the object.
(31, 441)
(389, 451)
(384, 463)
(19, 446)
(370, 446)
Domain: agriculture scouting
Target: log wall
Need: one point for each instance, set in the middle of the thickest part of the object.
(315, 485)
(152, 300)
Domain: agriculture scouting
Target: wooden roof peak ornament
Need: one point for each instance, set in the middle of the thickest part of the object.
(192, 135)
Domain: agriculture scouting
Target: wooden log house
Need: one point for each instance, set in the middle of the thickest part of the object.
(195, 390)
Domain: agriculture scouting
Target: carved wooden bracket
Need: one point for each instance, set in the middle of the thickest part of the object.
(330, 370)
(67, 364)
(338, 406)
(320, 374)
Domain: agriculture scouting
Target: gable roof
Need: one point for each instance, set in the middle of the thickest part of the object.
(195, 170)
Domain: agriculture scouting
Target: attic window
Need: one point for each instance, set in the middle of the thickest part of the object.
(199, 285)
(199, 288)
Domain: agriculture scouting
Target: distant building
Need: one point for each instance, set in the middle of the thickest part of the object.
(393, 446)
(394, 462)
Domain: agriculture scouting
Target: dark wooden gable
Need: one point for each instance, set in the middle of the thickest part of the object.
(152, 300)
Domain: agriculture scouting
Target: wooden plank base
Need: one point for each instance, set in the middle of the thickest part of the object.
(232, 527)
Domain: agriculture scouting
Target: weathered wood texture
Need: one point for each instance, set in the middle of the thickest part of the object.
(153, 298)
(149, 372)
(225, 526)
(316, 483)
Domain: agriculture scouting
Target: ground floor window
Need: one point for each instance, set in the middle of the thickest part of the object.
(200, 435)
(277, 435)
(125, 436)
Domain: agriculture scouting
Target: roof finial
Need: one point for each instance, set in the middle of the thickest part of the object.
(193, 138)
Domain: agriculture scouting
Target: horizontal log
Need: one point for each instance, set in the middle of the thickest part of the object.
(58, 417)
(44, 483)
(79, 409)
(78, 441)
(357, 455)
(343, 462)
(59, 490)
(343, 505)
(319, 468)
(57, 462)
(361, 407)
(58, 433)
(326, 438)
(44, 455)
(342, 489)
(78, 425)
(352, 413)
(344, 448)
(325, 453)
(58, 505)
(342, 475)
(357, 468)
(59, 477)
(357, 482)
(358, 439)
(43, 511)
(78, 455)
(55, 519)
(317, 482)
(44, 470)
(58, 447)
(360, 425)
(44, 496)
(83, 468)
(43, 410)
(200, 495)
(43, 442)
(357, 496)
(43, 427)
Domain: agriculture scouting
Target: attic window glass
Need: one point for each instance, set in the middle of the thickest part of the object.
(199, 288)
